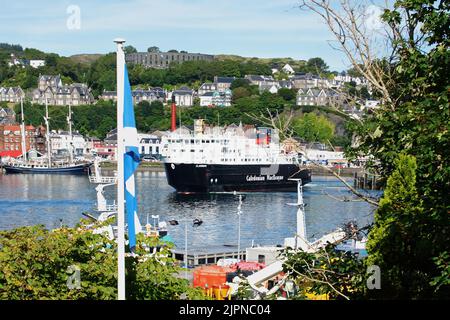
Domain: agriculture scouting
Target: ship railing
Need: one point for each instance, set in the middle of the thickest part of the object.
(108, 208)
(102, 179)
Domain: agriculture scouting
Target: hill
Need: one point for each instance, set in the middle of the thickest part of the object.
(86, 58)
(271, 61)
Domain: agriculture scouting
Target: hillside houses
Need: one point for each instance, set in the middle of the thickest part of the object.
(257, 80)
(271, 87)
(308, 81)
(223, 83)
(207, 87)
(51, 89)
(317, 97)
(217, 94)
(216, 98)
(34, 63)
(11, 94)
(138, 95)
(7, 116)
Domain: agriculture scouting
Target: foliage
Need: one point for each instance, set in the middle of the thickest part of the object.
(288, 94)
(399, 242)
(92, 120)
(417, 123)
(442, 263)
(328, 271)
(35, 264)
(313, 128)
(317, 65)
(153, 49)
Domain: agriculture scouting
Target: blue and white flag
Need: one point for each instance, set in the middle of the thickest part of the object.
(131, 161)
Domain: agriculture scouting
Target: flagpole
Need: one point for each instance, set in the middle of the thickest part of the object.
(120, 169)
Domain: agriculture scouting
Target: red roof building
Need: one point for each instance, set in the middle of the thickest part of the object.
(11, 140)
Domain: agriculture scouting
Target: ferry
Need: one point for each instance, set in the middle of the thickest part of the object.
(231, 158)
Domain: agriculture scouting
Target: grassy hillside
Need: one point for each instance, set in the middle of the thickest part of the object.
(85, 58)
(272, 61)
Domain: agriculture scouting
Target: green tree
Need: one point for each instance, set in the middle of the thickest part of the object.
(313, 128)
(398, 242)
(153, 49)
(240, 92)
(239, 83)
(129, 49)
(317, 65)
(287, 94)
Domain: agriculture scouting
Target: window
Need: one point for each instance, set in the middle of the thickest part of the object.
(261, 258)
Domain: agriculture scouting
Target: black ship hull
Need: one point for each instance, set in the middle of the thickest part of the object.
(201, 178)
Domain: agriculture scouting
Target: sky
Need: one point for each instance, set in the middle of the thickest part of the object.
(250, 28)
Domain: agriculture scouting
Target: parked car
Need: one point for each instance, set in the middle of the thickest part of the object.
(149, 159)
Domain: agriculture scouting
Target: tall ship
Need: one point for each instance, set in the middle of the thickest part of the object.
(228, 159)
(46, 164)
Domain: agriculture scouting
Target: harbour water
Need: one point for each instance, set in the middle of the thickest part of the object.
(266, 218)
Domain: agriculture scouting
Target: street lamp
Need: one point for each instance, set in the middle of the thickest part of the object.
(195, 223)
(239, 211)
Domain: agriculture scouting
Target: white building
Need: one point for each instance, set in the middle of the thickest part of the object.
(149, 144)
(288, 69)
(61, 143)
(272, 88)
(346, 78)
(184, 97)
(207, 87)
(325, 156)
(37, 63)
(206, 99)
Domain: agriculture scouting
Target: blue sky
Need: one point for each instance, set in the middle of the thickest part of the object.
(252, 28)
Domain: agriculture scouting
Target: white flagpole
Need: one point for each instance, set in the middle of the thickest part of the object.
(120, 169)
(24, 143)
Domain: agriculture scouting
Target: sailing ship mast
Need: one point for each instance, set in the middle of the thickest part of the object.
(24, 144)
(69, 121)
(46, 118)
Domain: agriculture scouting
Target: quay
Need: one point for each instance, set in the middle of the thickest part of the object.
(367, 181)
(210, 255)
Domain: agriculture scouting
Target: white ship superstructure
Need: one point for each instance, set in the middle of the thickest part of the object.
(225, 145)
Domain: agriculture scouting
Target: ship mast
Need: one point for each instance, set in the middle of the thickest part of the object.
(69, 121)
(24, 144)
(47, 134)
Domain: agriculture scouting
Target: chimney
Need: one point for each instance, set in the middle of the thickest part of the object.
(174, 114)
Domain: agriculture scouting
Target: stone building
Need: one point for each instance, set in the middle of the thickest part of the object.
(162, 60)
(51, 89)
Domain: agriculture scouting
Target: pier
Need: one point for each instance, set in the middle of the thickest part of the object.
(210, 255)
(367, 181)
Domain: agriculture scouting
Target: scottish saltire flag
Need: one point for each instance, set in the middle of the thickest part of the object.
(131, 161)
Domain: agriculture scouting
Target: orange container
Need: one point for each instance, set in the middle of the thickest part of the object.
(209, 276)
